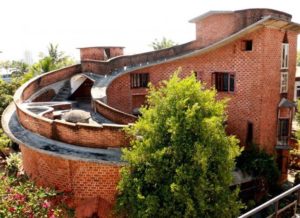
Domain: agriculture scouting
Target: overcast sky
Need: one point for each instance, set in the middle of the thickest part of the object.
(32, 24)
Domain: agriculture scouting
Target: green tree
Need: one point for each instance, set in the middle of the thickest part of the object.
(298, 58)
(181, 160)
(54, 60)
(164, 43)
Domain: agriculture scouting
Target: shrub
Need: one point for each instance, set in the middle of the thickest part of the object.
(13, 164)
(22, 198)
(258, 163)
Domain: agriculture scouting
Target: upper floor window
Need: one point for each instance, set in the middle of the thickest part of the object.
(284, 56)
(139, 80)
(224, 82)
(247, 45)
(284, 82)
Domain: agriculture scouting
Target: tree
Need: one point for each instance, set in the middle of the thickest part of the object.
(164, 43)
(54, 60)
(298, 58)
(181, 160)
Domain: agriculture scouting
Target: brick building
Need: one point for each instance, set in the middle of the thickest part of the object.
(249, 56)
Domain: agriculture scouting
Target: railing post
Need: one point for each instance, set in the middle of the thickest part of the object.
(276, 208)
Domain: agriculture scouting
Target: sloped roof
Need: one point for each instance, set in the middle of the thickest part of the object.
(285, 103)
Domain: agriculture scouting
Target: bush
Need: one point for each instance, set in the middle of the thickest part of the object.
(22, 198)
(13, 164)
(258, 163)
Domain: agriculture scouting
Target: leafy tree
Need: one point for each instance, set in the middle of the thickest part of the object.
(181, 160)
(259, 163)
(298, 58)
(164, 43)
(54, 60)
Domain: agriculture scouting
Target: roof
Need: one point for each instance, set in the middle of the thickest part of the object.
(285, 103)
(254, 11)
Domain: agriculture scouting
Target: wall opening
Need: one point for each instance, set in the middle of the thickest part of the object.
(247, 45)
(249, 138)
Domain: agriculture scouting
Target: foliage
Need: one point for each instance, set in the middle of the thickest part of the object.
(258, 163)
(22, 198)
(13, 164)
(181, 160)
(6, 92)
(5, 142)
(54, 60)
(298, 58)
(164, 43)
(18, 67)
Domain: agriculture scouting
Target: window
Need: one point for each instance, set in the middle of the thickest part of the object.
(298, 92)
(139, 80)
(224, 82)
(284, 82)
(283, 131)
(249, 138)
(284, 56)
(247, 45)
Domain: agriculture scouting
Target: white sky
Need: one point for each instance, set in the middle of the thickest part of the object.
(33, 24)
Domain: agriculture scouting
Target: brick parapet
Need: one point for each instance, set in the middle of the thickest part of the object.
(77, 134)
(113, 114)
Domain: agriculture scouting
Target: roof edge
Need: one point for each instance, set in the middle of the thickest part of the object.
(207, 14)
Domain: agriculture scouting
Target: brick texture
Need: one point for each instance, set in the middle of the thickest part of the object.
(257, 82)
(77, 134)
(86, 181)
(113, 114)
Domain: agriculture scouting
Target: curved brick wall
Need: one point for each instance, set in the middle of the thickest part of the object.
(77, 134)
(92, 184)
(102, 67)
(113, 114)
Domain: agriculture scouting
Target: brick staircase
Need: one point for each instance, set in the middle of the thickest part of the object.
(63, 93)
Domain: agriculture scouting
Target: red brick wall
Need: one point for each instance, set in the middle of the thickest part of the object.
(34, 123)
(77, 134)
(92, 54)
(116, 52)
(32, 86)
(97, 53)
(87, 181)
(218, 26)
(45, 96)
(215, 27)
(95, 67)
(257, 82)
(113, 114)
